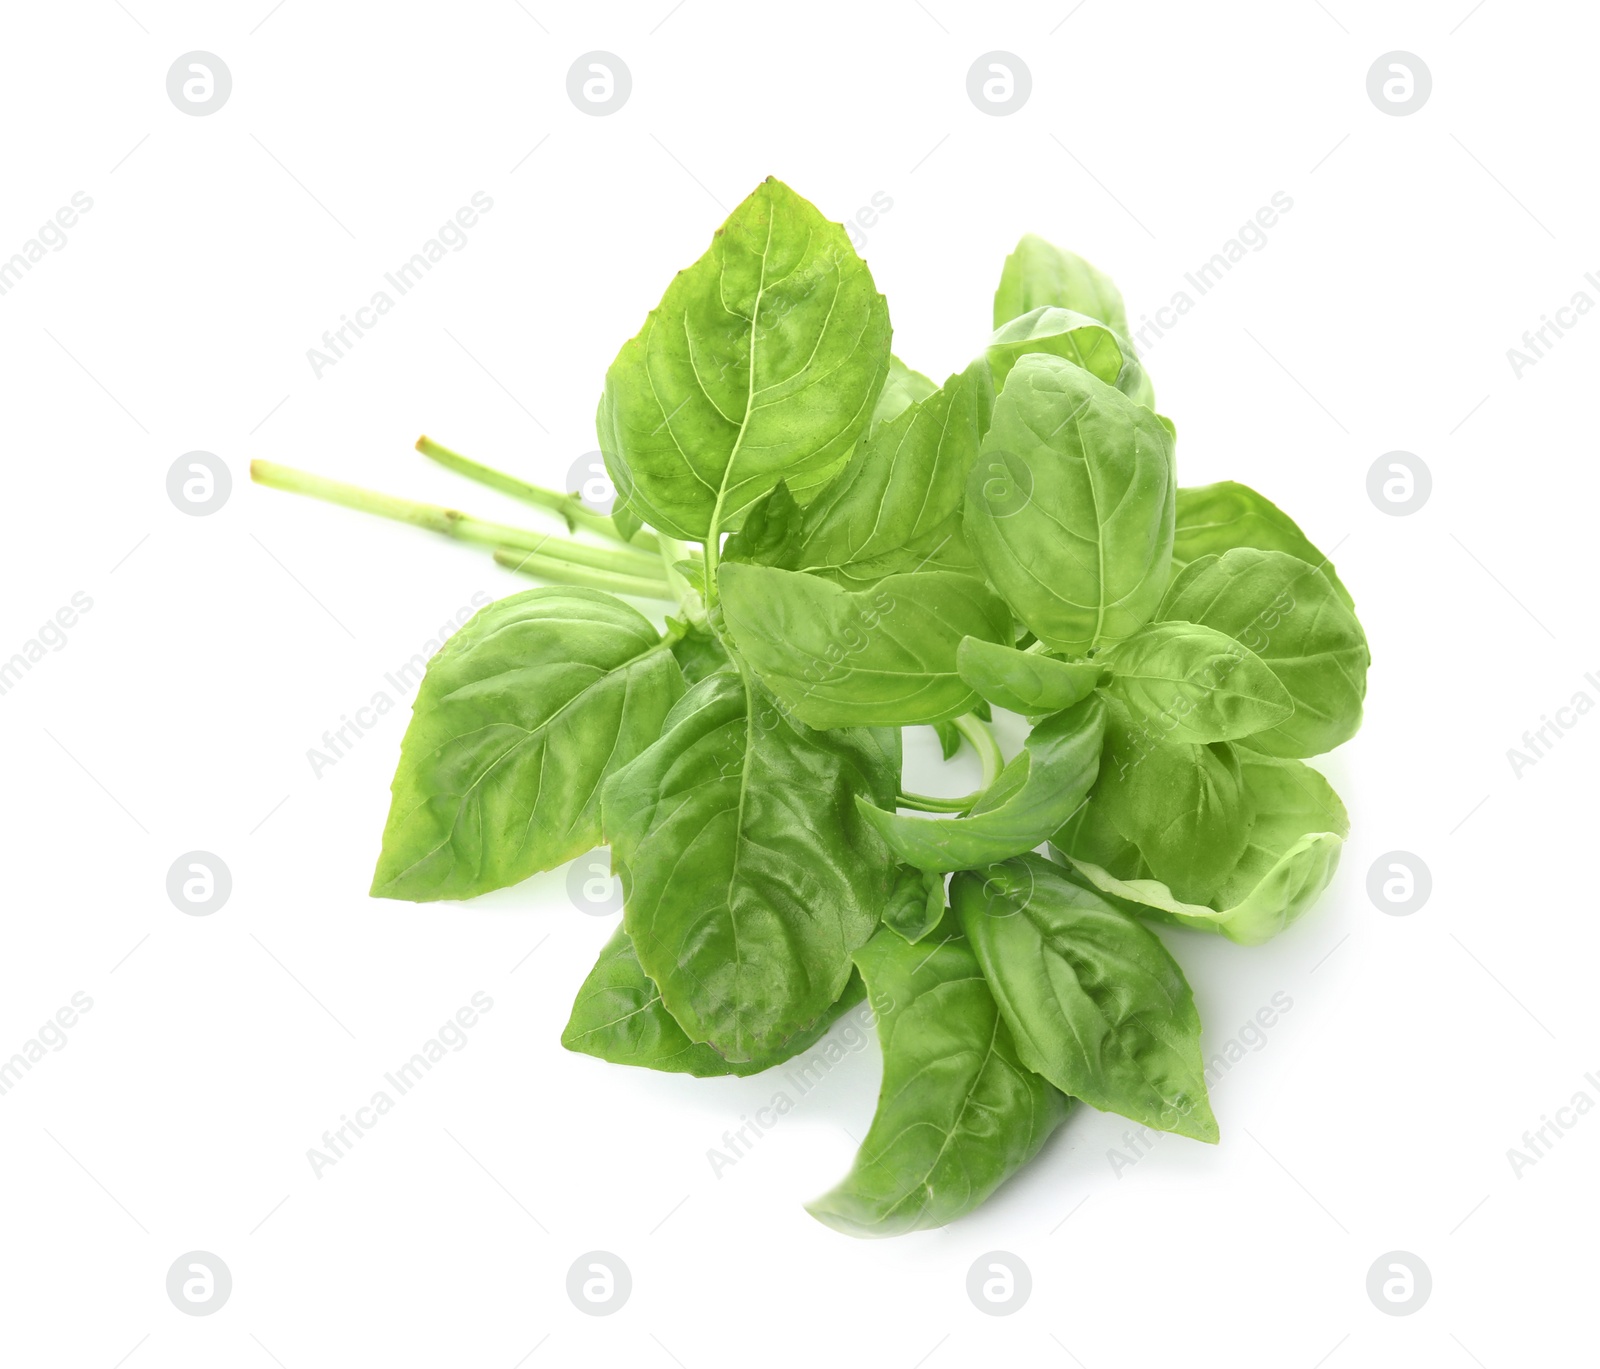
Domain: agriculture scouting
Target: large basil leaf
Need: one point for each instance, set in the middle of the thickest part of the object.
(1195, 684)
(1291, 616)
(958, 1113)
(619, 1016)
(1212, 519)
(902, 386)
(1095, 1002)
(763, 361)
(1069, 508)
(519, 720)
(1039, 274)
(1032, 798)
(884, 656)
(1077, 338)
(1292, 853)
(748, 878)
(1182, 804)
(1025, 681)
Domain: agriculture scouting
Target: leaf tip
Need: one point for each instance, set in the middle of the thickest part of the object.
(1200, 1123)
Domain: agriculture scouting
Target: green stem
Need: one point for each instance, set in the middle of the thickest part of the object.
(561, 573)
(571, 508)
(688, 597)
(710, 554)
(928, 803)
(976, 731)
(628, 563)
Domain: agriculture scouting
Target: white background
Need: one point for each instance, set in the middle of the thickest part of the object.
(178, 715)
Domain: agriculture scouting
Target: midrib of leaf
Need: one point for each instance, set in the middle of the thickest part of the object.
(714, 531)
(1100, 528)
(738, 832)
(644, 1007)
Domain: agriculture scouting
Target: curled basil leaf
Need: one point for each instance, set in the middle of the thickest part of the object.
(1183, 804)
(1032, 798)
(1026, 681)
(1077, 338)
(958, 1112)
(1290, 857)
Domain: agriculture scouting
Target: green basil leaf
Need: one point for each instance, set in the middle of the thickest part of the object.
(771, 532)
(1077, 338)
(763, 361)
(949, 738)
(1039, 274)
(626, 520)
(699, 653)
(1095, 1002)
(1032, 798)
(1292, 802)
(1190, 683)
(1292, 617)
(896, 505)
(958, 1113)
(1025, 681)
(1212, 519)
(1291, 856)
(747, 877)
(1089, 835)
(1069, 508)
(902, 386)
(884, 656)
(693, 570)
(1184, 805)
(916, 903)
(519, 720)
(619, 1016)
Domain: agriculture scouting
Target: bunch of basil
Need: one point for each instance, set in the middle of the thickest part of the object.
(874, 552)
